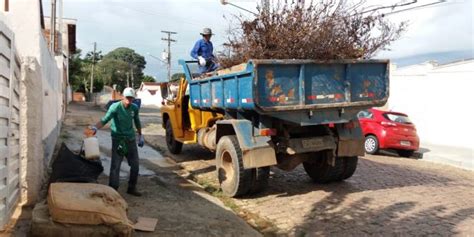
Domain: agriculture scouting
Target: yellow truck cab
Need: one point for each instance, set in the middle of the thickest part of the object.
(181, 121)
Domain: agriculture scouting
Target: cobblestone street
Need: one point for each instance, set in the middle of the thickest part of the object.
(386, 195)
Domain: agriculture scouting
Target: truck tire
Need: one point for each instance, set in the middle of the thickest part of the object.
(259, 179)
(233, 178)
(320, 171)
(350, 166)
(174, 146)
(405, 153)
(371, 145)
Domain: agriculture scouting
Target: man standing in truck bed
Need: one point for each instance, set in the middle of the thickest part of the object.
(203, 52)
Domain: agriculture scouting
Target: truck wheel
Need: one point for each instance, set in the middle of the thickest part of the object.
(371, 144)
(350, 166)
(321, 172)
(259, 179)
(233, 178)
(173, 145)
(405, 153)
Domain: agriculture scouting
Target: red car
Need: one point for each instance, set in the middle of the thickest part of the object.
(388, 130)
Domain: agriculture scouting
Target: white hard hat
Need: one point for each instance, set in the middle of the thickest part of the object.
(129, 92)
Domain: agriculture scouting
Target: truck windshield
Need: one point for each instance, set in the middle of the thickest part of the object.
(398, 118)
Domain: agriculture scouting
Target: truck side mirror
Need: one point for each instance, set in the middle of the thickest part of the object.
(164, 90)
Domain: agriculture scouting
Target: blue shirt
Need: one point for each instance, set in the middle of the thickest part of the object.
(202, 48)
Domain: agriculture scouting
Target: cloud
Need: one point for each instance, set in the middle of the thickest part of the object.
(441, 28)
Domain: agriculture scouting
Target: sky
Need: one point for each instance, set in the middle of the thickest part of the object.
(138, 24)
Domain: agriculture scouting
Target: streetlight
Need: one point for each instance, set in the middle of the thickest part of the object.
(155, 57)
(225, 2)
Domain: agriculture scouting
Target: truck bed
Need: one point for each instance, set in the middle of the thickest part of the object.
(268, 86)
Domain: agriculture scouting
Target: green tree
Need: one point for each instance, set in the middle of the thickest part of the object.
(177, 76)
(91, 55)
(115, 72)
(148, 78)
(136, 62)
(76, 71)
(114, 68)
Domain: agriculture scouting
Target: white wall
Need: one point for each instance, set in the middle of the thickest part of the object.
(438, 100)
(149, 99)
(43, 90)
(25, 23)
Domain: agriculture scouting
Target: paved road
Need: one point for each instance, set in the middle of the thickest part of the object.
(386, 195)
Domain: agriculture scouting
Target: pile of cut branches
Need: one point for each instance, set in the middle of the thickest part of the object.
(330, 29)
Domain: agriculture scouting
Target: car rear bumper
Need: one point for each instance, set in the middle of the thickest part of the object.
(393, 141)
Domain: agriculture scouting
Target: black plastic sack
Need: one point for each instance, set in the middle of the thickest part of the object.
(70, 167)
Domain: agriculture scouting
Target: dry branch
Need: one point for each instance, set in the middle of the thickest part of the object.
(330, 29)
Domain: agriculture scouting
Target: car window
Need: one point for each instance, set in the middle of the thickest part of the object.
(365, 114)
(398, 118)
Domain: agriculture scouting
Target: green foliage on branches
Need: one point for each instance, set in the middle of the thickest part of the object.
(148, 78)
(177, 76)
(122, 66)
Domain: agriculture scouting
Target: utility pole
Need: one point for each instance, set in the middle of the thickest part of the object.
(92, 72)
(128, 79)
(169, 40)
(131, 75)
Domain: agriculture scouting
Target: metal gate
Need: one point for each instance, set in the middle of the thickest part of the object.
(9, 125)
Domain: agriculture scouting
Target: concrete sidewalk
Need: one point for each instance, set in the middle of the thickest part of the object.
(459, 157)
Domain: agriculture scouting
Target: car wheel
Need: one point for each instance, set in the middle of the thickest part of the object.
(371, 144)
(405, 153)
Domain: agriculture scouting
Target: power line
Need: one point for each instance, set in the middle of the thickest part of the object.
(416, 7)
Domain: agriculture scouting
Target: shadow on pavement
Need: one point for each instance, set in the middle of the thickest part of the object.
(328, 218)
(392, 153)
(368, 176)
(198, 153)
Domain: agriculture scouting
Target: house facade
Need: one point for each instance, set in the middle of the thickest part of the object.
(33, 98)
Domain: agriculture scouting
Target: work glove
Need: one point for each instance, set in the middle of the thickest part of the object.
(141, 141)
(201, 61)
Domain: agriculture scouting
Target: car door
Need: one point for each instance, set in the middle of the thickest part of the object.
(366, 121)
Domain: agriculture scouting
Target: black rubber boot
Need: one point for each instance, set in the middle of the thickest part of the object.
(133, 191)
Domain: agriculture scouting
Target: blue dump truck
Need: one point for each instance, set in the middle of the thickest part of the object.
(279, 113)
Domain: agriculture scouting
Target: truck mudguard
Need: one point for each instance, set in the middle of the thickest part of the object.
(257, 150)
(351, 139)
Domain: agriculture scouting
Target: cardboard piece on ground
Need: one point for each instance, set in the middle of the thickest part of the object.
(145, 224)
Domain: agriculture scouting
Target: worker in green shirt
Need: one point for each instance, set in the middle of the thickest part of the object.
(123, 115)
